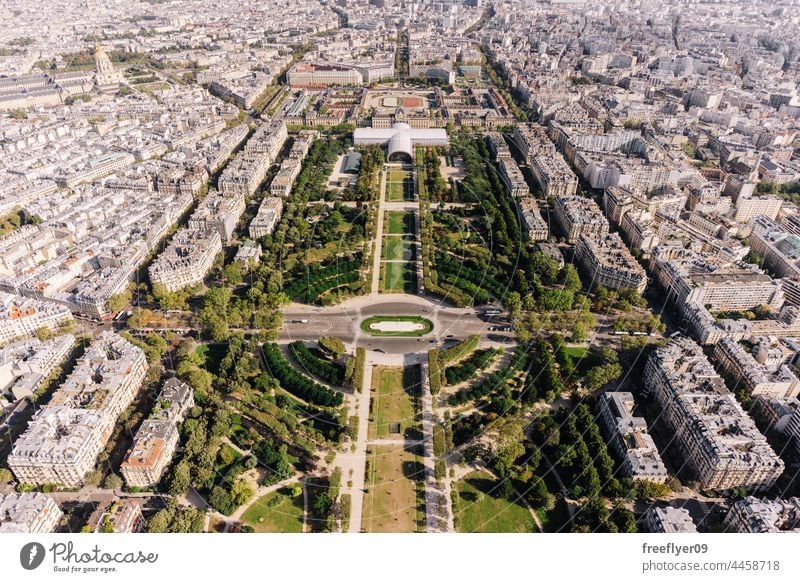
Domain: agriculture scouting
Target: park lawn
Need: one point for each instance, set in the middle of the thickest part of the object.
(392, 503)
(397, 248)
(483, 510)
(576, 352)
(226, 457)
(397, 175)
(392, 402)
(399, 222)
(397, 192)
(397, 278)
(275, 512)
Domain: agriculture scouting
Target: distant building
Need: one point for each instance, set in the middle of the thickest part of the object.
(107, 78)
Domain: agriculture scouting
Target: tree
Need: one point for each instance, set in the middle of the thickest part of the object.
(241, 492)
(113, 481)
(44, 333)
(180, 479)
(221, 500)
(119, 301)
(159, 523)
(5, 476)
(296, 490)
(232, 273)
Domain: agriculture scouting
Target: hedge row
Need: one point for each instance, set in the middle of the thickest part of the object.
(316, 366)
(467, 369)
(358, 375)
(486, 385)
(460, 350)
(434, 371)
(295, 382)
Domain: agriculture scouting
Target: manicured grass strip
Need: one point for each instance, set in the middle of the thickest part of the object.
(392, 403)
(398, 278)
(276, 512)
(391, 502)
(397, 248)
(399, 222)
(426, 323)
(483, 509)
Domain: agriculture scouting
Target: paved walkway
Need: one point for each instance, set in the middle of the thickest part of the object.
(378, 244)
(438, 511)
(353, 461)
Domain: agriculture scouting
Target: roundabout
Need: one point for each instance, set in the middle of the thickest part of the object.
(397, 326)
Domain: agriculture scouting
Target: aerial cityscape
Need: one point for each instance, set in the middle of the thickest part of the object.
(364, 266)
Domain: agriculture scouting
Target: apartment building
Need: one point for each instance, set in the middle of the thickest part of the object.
(64, 438)
(758, 379)
(267, 218)
(629, 438)
(21, 317)
(578, 216)
(187, 259)
(31, 513)
(752, 515)
(219, 212)
(532, 222)
(498, 146)
(718, 441)
(155, 441)
(118, 516)
(668, 520)
(306, 74)
(554, 176)
(26, 364)
(512, 177)
(606, 261)
(532, 141)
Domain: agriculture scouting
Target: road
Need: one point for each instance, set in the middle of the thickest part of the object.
(343, 322)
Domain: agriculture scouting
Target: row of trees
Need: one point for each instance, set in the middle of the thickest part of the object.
(495, 381)
(295, 382)
(318, 366)
(467, 369)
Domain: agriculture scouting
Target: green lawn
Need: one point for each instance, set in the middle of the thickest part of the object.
(394, 500)
(392, 402)
(397, 175)
(366, 325)
(398, 278)
(576, 352)
(398, 248)
(276, 512)
(483, 510)
(399, 222)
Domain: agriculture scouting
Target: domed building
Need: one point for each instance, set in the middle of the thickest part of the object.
(400, 139)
